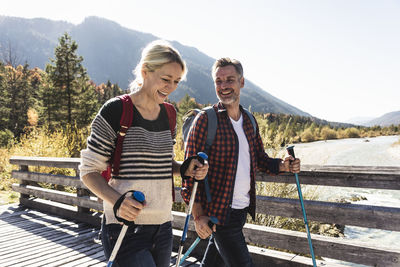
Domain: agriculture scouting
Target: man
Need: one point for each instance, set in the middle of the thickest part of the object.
(237, 152)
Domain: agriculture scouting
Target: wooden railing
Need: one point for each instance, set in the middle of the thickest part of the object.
(85, 207)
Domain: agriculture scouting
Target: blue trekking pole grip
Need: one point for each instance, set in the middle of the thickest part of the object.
(139, 197)
(290, 150)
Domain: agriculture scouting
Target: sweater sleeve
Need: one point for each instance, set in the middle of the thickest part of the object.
(101, 141)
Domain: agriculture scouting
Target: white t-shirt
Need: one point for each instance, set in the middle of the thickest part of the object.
(241, 191)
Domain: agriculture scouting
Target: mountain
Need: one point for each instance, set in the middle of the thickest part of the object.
(359, 120)
(111, 51)
(386, 119)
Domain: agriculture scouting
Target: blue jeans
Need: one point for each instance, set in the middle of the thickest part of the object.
(143, 245)
(227, 245)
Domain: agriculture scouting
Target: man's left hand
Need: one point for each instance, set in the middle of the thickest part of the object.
(289, 164)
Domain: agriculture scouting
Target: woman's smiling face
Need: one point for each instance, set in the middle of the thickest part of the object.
(163, 81)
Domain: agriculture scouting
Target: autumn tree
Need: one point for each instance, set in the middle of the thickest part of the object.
(19, 93)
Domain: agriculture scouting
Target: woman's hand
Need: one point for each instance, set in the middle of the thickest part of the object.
(197, 170)
(130, 209)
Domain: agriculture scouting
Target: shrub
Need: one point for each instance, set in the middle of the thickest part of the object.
(5, 137)
(328, 133)
(307, 136)
(352, 133)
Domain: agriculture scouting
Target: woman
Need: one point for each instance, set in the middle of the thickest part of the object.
(146, 162)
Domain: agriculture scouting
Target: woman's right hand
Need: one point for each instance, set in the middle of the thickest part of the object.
(130, 209)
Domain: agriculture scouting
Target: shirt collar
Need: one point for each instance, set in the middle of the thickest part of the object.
(221, 107)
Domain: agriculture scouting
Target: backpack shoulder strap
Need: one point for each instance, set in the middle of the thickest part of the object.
(125, 123)
(211, 126)
(253, 122)
(171, 113)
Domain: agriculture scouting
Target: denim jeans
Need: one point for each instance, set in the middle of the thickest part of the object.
(143, 245)
(227, 245)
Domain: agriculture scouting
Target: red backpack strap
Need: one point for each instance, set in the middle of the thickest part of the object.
(171, 113)
(125, 123)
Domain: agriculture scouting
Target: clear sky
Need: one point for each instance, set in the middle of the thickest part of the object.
(335, 59)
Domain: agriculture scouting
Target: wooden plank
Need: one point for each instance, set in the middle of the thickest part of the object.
(336, 248)
(58, 196)
(71, 163)
(20, 232)
(30, 250)
(353, 176)
(388, 180)
(84, 260)
(42, 255)
(49, 178)
(62, 210)
(355, 169)
(41, 240)
(42, 233)
(378, 217)
(99, 262)
(297, 242)
(80, 251)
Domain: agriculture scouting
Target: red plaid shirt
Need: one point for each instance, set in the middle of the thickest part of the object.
(223, 160)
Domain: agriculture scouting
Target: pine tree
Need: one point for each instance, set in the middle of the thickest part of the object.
(67, 75)
(88, 104)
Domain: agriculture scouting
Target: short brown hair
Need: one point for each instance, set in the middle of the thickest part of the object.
(226, 61)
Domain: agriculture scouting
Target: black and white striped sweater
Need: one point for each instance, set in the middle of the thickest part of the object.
(146, 159)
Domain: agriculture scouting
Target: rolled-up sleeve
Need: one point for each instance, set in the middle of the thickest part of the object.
(196, 143)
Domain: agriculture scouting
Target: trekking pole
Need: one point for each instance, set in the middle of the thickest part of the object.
(138, 196)
(290, 150)
(213, 220)
(201, 156)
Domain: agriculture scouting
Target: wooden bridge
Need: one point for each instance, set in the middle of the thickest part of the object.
(55, 228)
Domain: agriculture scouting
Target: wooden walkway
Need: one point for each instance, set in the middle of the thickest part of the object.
(33, 238)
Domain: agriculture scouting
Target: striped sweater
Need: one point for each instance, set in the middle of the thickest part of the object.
(146, 159)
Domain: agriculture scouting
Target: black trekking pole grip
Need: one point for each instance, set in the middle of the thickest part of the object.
(290, 150)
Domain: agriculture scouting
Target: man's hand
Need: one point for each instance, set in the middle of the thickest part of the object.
(197, 170)
(289, 164)
(202, 228)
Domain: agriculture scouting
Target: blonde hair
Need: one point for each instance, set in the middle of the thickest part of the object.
(155, 55)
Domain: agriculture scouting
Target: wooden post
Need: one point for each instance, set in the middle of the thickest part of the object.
(24, 168)
(81, 192)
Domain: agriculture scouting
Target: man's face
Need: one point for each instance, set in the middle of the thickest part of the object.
(228, 84)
